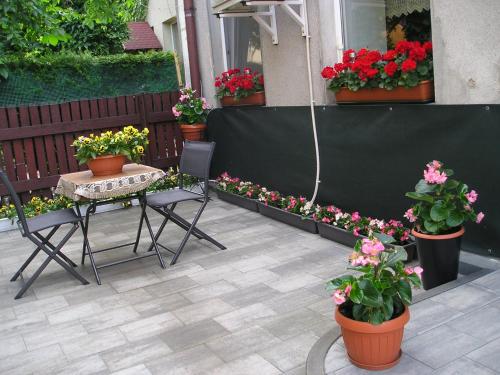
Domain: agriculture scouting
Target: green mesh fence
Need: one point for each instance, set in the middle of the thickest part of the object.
(58, 79)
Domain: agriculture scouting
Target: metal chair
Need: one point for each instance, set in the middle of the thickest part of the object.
(195, 161)
(30, 228)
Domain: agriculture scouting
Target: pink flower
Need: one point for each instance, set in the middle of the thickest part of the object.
(347, 290)
(468, 207)
(356, 231)
(436, 164)
(176, 112)
(355, 216)
(418, 270)
(409, 270)
(410, 216)
(472, 196)
(339, 297)
(433, 176)
(204, 104)
(330, 209)
(372, 247)
(325, 220)
(183, 97)
(479, 217)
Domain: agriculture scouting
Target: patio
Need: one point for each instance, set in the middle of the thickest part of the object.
(257, 307)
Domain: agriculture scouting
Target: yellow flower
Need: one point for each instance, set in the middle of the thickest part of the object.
(102, 148)
(146, 131)
(140, 149)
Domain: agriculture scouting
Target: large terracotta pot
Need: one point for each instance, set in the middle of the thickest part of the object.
(193, 132)
(106, 165)
(373, 347)
(439, 256)
(422, 93)
(258, 98)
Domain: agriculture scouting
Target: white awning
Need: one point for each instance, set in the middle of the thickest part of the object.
(397, 8)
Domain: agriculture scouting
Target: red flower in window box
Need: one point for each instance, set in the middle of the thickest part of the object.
(240, 87)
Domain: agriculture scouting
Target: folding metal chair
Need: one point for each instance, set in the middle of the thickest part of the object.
(195, 161)
(30, 228)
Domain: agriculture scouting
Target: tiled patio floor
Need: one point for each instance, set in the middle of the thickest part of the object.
(256, 308)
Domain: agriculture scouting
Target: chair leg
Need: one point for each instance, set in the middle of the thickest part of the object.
(47, 242)
(155, 246)
(85, 230)
(183, 223)
(186, 237)
(140, 229)
(33, 255)
(52, 255)
(157, 235)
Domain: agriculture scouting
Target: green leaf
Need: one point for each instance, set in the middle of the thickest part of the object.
(423, 187)
(357, 312)
(371, 296)
(451, 184)
(420, 197)
(439, 212)
(430, 226)
(455, 219)
(376, 317)
(404, 291)
(399, 255)
(384, 238)
(356, 294)
(388, 307)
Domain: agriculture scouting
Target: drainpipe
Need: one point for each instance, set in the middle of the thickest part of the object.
(194, 64)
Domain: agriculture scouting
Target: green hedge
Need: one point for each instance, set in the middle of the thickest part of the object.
(61, 77)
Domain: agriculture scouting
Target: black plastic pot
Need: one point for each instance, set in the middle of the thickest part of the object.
(249, 204)
(347, 238)
(439, 256)
(304, 223)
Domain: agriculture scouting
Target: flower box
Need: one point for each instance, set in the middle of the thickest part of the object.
(422, 93)
(348, 239)
(6, 225)
(249, 204)
(258, 98)
(297, 221)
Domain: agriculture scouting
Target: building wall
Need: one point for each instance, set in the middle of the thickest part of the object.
(466, 39)
(160, 11)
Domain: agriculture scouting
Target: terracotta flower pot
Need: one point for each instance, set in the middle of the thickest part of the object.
(439, 256)
(373, 347)
(193, 132)
(422, 93)
(258, 98)
(106, 165)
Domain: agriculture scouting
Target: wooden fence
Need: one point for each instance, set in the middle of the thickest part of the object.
(35, 141)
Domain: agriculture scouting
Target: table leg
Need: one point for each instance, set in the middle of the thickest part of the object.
(90, 210)
(142, 201)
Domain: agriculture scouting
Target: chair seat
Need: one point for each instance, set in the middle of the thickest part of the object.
(52, 219)
(171, 196)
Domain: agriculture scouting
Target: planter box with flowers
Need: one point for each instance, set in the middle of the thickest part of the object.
(237, 88)
(235, 191)
(289, 210)
(191, 112)
(444, 205)
(347, 229)
(403, 74)
(373, 306)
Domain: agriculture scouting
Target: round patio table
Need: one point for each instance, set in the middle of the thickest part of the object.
(85, 188)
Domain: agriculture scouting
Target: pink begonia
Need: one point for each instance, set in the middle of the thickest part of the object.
(184, 97)
(472, 196)
(409, 270)
(325, 220)
(433, 176)
(410, 216)
(468, 207)
(176, 112)
(479, 217)
(356, 231)
(339, 297)
(330, 209)
(436, 164)
(405, 236)
(204, 103)
(372, 247)
(347, 290)
(355, 216)
(418, 270)
(302, 199)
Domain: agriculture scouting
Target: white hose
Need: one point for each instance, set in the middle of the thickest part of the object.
(311, 97)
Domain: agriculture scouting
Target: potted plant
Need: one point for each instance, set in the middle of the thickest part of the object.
(191, 112)
(444, 205)
(236, 87)
(287, 209)
(372, 307)
(105, 154)
(236, 191)
(402, 74)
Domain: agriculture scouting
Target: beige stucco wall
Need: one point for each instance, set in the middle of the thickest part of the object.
(466, 38)
(160, 11)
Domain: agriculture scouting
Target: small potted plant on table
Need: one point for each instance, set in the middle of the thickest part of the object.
(372, 308)
(236, 87)
(191, 112)
(403, 74)
(444, 205)
(105, 154)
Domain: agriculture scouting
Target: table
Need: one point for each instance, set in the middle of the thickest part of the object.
(84, 188)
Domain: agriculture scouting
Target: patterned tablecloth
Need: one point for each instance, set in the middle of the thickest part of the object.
(84, 185)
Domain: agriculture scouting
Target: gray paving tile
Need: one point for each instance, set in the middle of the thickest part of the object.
(110, 318)
(487, 355)
(251, 365)
(250, 295)
(134, 370)
(297, 371)
(336, 359)
(74, 313)
(242, 343)
(29, 362)
(44, 305)
(171, 286)
(94, 343)
(428, 314)
(193, 334)
(159, 305)
(11, 346)
(245, 316)
(288, 302)
(85, 366)
(209, 291)
(483, 324)
(289, 325)
(464, 366)
(53, 334)
(440, 346)
(150, 326)
(197, 360)
(202, 310)
(467, 297)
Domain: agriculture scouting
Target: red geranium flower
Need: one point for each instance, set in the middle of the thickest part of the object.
(340, 67)
(427, 46)
(346, 58)
(328, 72)
(418, 54)
(408, 65)
(371, 73)
(403, 47)
(389, 55)
(391, 68)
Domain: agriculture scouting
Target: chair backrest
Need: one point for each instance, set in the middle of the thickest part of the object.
(15, 200)
(196, 158)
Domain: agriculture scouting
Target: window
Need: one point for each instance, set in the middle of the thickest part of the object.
(242, 40)
(171, 39)
(380, 24)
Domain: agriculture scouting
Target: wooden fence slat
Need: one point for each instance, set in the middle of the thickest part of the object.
(49, 142)
(66, 115)
(40, 150)
(29, 149)
(55, 113)
(20, 163)
(8, 154)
